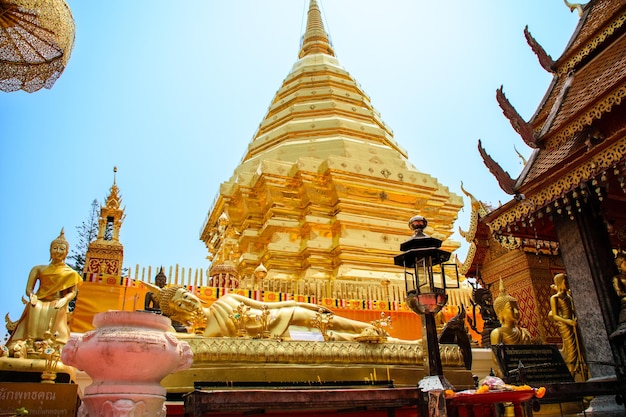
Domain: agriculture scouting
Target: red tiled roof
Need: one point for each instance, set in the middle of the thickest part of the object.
(593, 81)
(547, 159)
(600, 14)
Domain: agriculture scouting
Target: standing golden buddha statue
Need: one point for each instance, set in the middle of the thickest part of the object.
(46, 310)
(564, 316)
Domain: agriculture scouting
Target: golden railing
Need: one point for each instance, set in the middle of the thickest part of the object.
(339, 289)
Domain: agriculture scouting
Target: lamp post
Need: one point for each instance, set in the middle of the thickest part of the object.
(426, 277)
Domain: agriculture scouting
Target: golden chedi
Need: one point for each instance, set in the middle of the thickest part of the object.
(323, 191)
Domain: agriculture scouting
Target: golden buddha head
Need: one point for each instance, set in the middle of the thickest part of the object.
(59, 247)
(179, 304)
(160, 279)
(506, 307)
(560, 282)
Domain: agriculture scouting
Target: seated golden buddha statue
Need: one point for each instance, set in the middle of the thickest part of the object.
(509, 332)
(45, 315)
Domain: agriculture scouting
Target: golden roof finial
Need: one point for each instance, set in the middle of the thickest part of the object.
(114, 199)
(315, 39)
(524, 161)
(574, 6)
(467, 193)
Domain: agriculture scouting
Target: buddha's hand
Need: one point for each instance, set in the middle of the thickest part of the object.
(33, 299)
(322, 309)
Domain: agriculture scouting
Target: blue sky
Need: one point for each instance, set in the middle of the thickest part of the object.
(173, 95)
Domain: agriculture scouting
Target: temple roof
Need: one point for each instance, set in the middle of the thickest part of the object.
(590, 69)
(577, 128)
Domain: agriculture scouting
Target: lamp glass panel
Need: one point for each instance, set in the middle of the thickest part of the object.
(423, 272)
(452, 275)
(409, 280)
(438, 277)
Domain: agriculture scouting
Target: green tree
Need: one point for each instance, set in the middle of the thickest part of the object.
(87, 233)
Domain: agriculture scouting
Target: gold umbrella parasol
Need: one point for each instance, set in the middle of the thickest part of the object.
(36, 40)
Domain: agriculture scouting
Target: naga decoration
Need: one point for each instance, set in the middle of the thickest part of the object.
(520, 156)
(504, 179)
(454, 332)
(545, 60)
(574, 6)
(521, 127)
(483, 300)
(478, 210)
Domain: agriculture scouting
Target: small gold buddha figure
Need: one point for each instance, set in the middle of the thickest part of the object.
(509, 332)
(45, 312)
(151, 302)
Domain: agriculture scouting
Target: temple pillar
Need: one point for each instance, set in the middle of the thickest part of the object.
(588, 260)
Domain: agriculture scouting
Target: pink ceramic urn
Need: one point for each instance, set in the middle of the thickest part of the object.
(127, 356)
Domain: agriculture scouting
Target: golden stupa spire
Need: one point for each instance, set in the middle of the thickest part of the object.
(315, 39)
(114, 200)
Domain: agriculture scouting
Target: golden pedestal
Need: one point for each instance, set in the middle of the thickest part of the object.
(233, 361)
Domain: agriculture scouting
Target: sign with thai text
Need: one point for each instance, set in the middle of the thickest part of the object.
(52, 400)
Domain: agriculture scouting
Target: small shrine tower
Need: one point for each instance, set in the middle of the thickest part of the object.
(105, 255)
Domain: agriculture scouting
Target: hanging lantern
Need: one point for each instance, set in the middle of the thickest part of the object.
(36, 41)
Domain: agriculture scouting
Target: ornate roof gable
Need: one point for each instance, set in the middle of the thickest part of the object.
(576, 128)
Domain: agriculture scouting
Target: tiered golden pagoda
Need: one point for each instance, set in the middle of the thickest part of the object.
(324, 192)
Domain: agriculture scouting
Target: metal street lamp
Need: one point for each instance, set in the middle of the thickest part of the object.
(426, 277)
